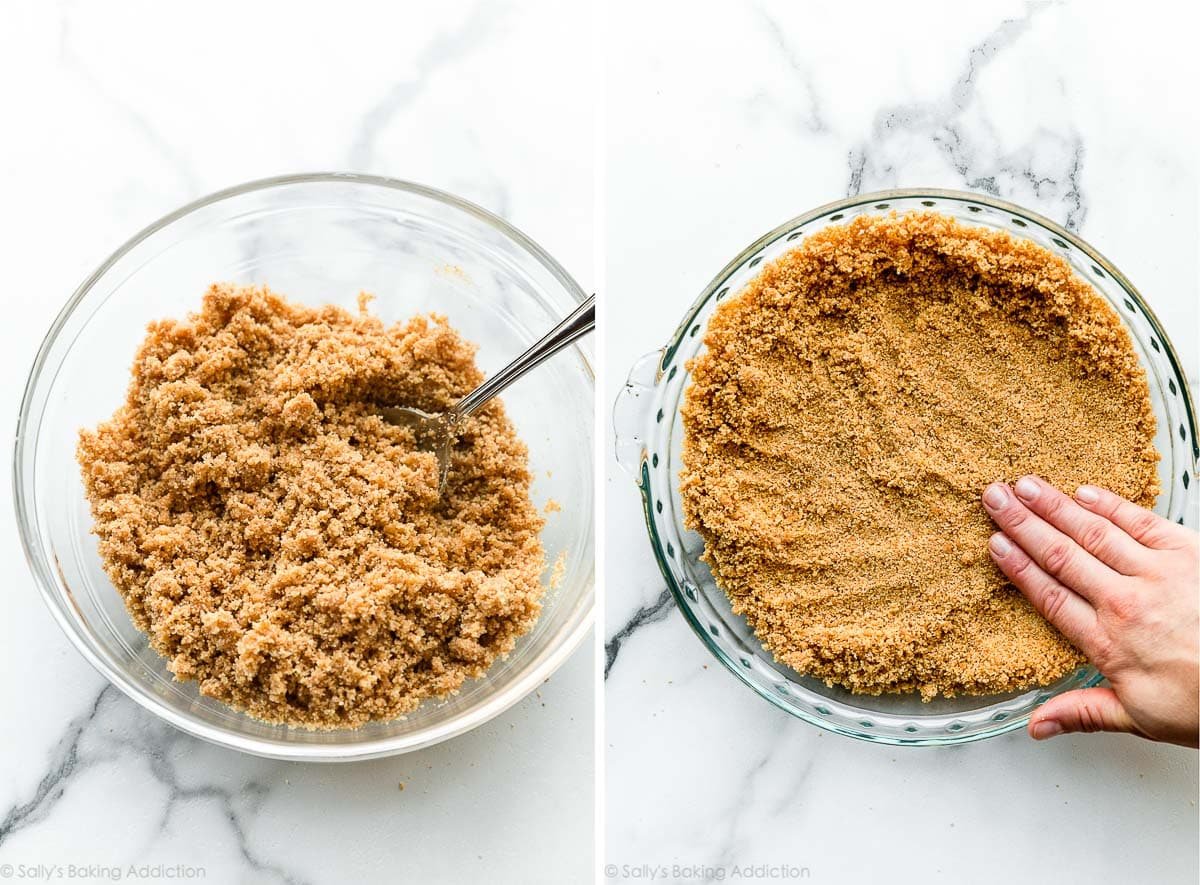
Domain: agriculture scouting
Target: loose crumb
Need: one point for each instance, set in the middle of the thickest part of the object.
(552, 506)
(559, 570)
(284, 546)
(849, 408)
(453, 270)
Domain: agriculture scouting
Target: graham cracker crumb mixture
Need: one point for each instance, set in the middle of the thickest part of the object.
(850, 407)
(283, 545)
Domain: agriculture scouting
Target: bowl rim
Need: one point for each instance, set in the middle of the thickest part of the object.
(263, 747)
(689, 317)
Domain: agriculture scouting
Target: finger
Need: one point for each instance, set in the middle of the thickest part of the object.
(1070, 613)
(1147, 528)
(1057, 554)
(1086, 709)
(1095, 534)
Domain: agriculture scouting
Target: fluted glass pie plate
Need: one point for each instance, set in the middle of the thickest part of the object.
(649, 436)
(316, 239)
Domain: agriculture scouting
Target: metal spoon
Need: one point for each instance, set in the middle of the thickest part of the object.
(436, 433)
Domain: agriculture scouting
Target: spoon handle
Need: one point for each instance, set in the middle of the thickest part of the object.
(577, 324)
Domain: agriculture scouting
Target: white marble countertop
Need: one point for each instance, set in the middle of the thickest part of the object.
(724, 125)
(118, 113)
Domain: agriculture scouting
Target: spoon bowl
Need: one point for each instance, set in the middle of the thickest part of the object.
(437, 433)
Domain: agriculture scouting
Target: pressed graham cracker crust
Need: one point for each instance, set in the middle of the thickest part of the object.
(847, 411)
(284, 546)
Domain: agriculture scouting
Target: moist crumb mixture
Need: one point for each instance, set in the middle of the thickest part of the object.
(284, 546)
(847, 411)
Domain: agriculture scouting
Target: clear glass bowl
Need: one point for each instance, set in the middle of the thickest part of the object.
(649, 435)
(316, 239)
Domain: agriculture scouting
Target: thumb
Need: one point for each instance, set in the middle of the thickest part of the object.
(1086, 709)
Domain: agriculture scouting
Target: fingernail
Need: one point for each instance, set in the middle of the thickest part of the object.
(1027, 488)
(1047, 728)
(1087, 494)
(996, 495)
(999, 544)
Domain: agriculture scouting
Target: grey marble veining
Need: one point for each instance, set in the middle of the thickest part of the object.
(955, 125)
(116, 732)
(660, 609)
(443, 49)
(808, 116)
(64, 761)
(186, 177)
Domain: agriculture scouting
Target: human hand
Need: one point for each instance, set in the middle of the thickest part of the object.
(1123, 585)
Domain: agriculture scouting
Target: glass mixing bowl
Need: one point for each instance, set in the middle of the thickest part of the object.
(316, 239)
(649, 435)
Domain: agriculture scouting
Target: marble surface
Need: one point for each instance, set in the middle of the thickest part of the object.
(724, 125)
(120, 112)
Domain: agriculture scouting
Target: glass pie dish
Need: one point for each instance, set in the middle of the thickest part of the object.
(649, 435)
(316, 239)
